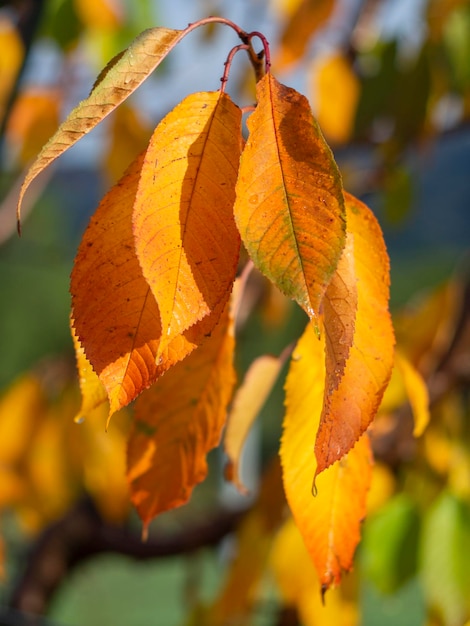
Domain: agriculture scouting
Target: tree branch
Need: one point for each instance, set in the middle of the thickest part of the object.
(82, 534)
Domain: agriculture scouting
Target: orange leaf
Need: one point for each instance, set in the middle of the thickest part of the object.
(329, 521)
(116, 317)
(290, 207)
(185, 234)
(351, 403)
(117, 81)
(247, 403)
(177, 422)
(340, 308)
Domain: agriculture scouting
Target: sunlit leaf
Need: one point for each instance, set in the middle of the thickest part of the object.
(351, 406)
(307, 18)
(329, 521)
(177, 421)
(116, 317)
(91, 388)
(100, 14)
(117, 82)
(103, 459)
(336, 93)
(289, 207)
(129, 135)
(248, 401)
(340, 310)
(298, 583)
(10, 60)
(416, 391)
(185, 234)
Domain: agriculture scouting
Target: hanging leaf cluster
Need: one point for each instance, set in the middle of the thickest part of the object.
(155, 293)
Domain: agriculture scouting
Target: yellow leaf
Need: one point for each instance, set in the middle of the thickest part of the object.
(10, 60)
(336, 92)
(290, 207)
(21, 410)
(248, 401)
(329, 521)
(351, 403)
(297, 581)
(185, 234)
(177, 421)
(103, 456)
(307, 18)
(416, 391)
(101, 14)
(91, 388)
(129, 135)
(117, 82)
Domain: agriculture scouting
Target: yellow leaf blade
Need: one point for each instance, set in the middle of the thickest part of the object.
(416, 391)
(289, 207)
(248, 401)
(185, 234)
(177, 422)
(351, 405)
(117, 82)
(329, 521)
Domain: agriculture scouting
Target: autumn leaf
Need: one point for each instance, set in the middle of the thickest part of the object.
(116, 317)
(92, 390)
(247, 403)
(329, 521)
(177, 421)
(185, 234)
(336, 91)
(351, 403)
(307, 18)
(117, 81)
(416, 391)
(340, 309)
(289, 207)
(296, 579)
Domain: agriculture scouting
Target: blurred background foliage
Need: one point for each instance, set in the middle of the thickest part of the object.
(390, 84)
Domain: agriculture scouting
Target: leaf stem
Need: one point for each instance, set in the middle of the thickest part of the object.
(228, 63)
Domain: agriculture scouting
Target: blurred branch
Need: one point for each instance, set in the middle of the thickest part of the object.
(82, 533)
